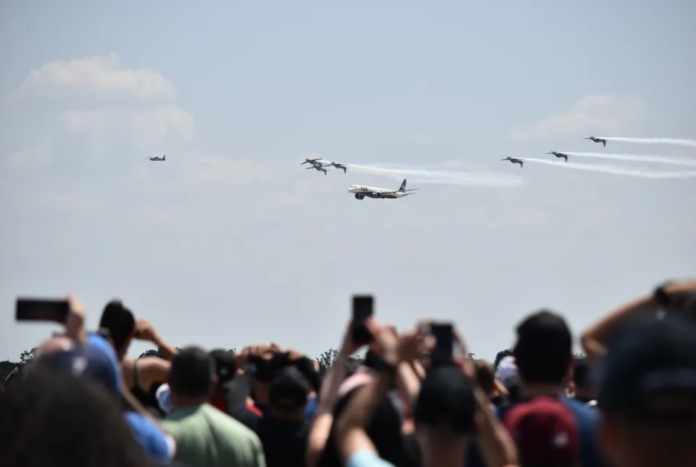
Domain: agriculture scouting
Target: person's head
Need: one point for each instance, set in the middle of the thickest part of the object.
(120, 323)
(582, 383)
(445, 410)
(52, 418)
(288, 393)
(648, 395)
(225, 365)
(544, 349)
(191, 377)
(545, 432)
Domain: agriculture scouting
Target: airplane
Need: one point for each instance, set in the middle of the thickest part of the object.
(157, 158)
(319, 168)
(361, 191)
(312, 161)
(598, 140)
(514, 161)
(339, 166)
(559, 155)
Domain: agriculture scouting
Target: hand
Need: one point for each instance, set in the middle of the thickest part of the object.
(75, 321)
(413, 344)
(386, 341)
(348, 347)
(145, 331)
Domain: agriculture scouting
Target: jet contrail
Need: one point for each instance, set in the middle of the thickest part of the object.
(615, 170)
(680, 142)
(443, 176)
(633, 158)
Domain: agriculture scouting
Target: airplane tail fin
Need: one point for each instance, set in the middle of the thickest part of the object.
(403, 186)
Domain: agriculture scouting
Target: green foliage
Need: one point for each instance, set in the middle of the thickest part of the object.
(27, 356)
(151, 353)
(500, 355)
(6, 368)
(327, 358)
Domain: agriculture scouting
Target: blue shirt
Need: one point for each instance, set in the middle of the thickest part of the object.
(587, 420)
(366, 458)
(154, 441)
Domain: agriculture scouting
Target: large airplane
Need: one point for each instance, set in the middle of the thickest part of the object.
(361, 191)
(157, 158)
(319, 168)
(559, 155)
(597, 140)
(514, 161)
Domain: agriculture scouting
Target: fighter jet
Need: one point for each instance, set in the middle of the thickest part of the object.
(312, 161)
(559, 155)
(319, 168)
(598, 140)
(339, 166)
(157, 158)
(514, 161)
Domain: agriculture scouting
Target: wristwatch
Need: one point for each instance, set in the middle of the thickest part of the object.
(661, 297)
(381, 366)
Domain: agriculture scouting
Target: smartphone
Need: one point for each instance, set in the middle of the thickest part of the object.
(38, 309)
(363, 308)
(444, 337)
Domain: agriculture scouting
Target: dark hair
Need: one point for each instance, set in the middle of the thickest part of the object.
(52, 418)
(544, 348)
(225, 365)
(191, 372)
(120, 323)
(446, 401)
(289, 389)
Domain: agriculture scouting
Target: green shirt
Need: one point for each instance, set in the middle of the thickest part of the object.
(206, 437)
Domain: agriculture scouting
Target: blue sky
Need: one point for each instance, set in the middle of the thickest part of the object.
(230, 242)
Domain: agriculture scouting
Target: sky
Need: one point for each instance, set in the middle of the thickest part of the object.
(231, 242)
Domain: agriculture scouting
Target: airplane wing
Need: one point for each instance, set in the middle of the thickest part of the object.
(412, 189)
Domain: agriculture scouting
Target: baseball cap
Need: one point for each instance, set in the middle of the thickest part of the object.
(446, 400)
(289, 388)
(649, 373)
(84, 362)
(545, 432)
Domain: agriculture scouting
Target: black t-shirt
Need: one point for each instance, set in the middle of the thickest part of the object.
(284, 442)
(412, 454)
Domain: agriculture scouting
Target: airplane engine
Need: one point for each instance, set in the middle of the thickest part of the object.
(382, 195)
(357, 196)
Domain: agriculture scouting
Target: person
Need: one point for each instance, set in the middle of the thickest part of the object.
(205, 436)
(284, 430)
(52, 417)
(543, 356)
(647, 394)
(583, 388)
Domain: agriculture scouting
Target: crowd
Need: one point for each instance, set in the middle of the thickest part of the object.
(631, 402)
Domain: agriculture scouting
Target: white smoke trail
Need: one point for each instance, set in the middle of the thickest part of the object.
(680, 142)
(615, 170)
(441, 176)
(633, 158)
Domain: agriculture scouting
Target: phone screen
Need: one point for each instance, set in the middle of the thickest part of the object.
(443, 334)
(32, 309)
(363, 308)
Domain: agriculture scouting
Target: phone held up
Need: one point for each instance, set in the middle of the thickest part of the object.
(363, 308)
(39, 309)
(443, 353)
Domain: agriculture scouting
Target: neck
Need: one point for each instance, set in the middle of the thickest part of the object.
(288, 415)
(541, 389)
(182, 402)
(439, 457)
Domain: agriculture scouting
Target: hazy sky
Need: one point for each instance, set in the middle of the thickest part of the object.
(231, 242)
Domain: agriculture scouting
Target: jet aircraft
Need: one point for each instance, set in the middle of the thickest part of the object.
(514, 161)
(361, 192)
(339, 166)
(157, 158)
(312, 161)
(598, 140)
(559, 155)
(319, 168)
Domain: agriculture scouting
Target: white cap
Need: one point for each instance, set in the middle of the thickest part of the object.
(507, 371)
(164, 398)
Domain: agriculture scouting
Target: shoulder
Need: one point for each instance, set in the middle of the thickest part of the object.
(586, 416)
(156, 442)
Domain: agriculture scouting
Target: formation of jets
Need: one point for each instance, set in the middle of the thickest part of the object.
(560, 155)
(360, 191)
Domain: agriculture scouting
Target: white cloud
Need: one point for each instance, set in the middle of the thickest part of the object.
(593, 114)
(35, 157)
(153, 129)
(94, 78)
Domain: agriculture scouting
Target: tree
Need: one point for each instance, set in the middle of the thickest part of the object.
(27, 356)
(151, 353)
(327, 358)
(500, 355)
(472, 356)
(6, 368)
